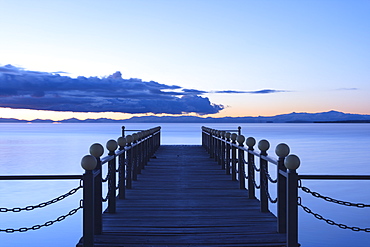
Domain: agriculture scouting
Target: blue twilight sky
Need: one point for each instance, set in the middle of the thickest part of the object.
(207, 57)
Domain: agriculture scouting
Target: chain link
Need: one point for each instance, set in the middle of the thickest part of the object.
(268, 176)
(107, 177)
(255, 184)
(331, 222)
(43, 204)
(267, 192)
(329, 199)
(255, 167)
(48, 223)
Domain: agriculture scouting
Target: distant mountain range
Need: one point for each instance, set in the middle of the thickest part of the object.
(322, 117)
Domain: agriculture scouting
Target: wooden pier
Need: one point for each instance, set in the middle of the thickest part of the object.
(184, 198)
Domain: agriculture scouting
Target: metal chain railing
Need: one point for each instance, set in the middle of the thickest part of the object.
(119, 176)
(267, 192)
(329, 199)
(253, 165)
(43, 204)
(268, 176)
(48, 223)
(255, 185)
(106, 198)
(107, 177)
(331, 222)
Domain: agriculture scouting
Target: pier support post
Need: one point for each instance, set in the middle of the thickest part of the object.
(112, 146)
(282, 150)
(97, 151)
(251, 177)
(241, 165)
(89, 163)
(227, 158)
(263, 145)
(233, 156)
(292, 162)
(129, 162)
(122, 168)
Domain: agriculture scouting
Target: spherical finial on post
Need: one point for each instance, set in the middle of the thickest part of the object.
(263, 145)
(96, 150)
(240, 139)
(233, 137)
(282, 150)
(135, 136)
(292, 162)
(250, 142)
(121, 141)
(129, 138)
(88, 162)
(228, 135)
(112, 145)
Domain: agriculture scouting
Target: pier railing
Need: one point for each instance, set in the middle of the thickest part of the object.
(239, 161)
(126, 158)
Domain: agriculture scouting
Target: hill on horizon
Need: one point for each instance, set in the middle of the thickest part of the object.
(302, 117)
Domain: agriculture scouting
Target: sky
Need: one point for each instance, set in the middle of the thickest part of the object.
(212, 58)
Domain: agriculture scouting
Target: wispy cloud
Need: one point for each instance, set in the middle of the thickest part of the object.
(347, 89)
(263, 91)
(24, 89)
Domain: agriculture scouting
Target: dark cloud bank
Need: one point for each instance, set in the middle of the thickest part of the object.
(23, 89)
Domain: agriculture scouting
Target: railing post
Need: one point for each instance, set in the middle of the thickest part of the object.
(97, 150)
(239, 130)
(122, 168)
(263, 145)
(129, 162)
(137, 169)
(251, 177)
(112, 146)
(88, 163)
(228, 148)
(292, 162)
(134, 158)
(212, 144)
(233, 157)
(223, 150)
(241, 164)
(217, 147)
(123, 131)
(282, 150)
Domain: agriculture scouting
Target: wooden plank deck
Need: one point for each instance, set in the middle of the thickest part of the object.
(183, 198)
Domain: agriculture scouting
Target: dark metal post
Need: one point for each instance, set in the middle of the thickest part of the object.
(112, 146)
(88, 162)
(121, 174)
(239, 130)
(123, 131)
(211, 142)
(223, 151)
(129, 165)
(112, 185)
(292, 163)
(282, 150)
(250, 159)
(241, 164)
(263, 145)
(88, 209)
(97, 150)
(227, 159)
(98, 203)
(233, 157)
(134, 161)
(217, 147)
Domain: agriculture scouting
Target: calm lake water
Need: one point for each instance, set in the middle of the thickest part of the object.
(58, 149)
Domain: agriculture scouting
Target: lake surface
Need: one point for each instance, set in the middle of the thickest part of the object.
(58, 149)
